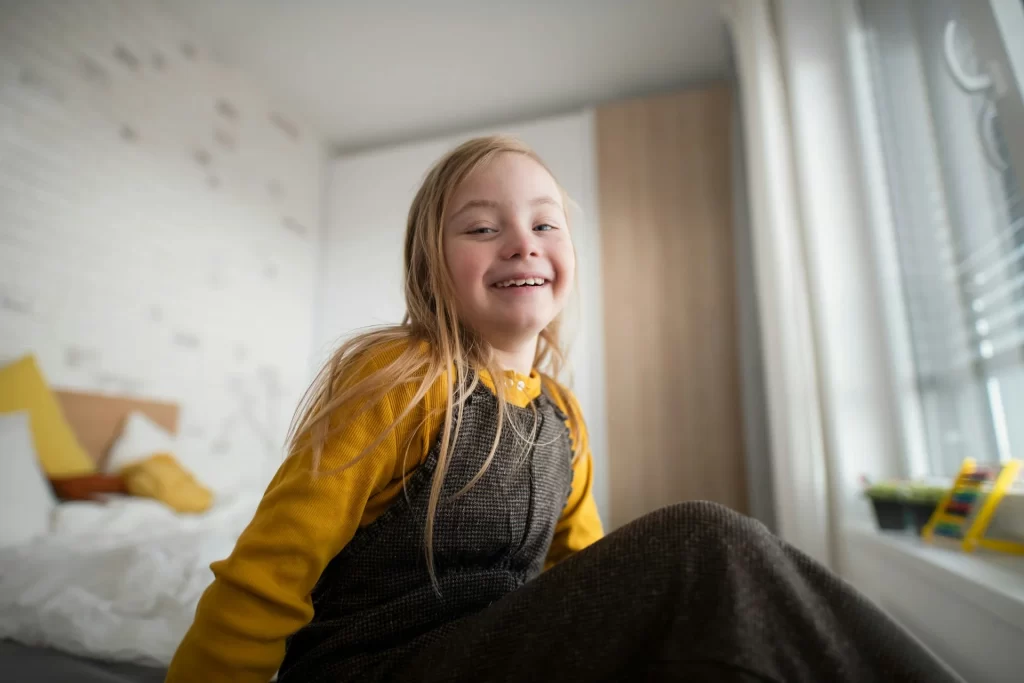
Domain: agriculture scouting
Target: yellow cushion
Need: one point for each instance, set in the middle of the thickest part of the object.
(161, 477)
(22, 387)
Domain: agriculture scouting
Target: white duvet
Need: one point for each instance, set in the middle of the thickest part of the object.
(118, 580)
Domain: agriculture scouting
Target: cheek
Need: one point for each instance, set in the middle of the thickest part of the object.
(465, 266)
(565, 265)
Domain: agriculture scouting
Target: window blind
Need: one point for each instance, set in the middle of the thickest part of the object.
(958, 213)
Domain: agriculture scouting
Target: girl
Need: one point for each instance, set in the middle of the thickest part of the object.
(434, 473)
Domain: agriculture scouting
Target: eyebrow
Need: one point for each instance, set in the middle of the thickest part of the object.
(539, 201)
(491, 204)
(474, 203)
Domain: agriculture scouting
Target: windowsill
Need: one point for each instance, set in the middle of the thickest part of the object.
(967, 608)
(992, 581)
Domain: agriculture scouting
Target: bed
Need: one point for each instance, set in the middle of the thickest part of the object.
(106, 596)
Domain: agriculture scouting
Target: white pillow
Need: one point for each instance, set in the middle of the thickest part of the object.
(26, 499)
(139, 439)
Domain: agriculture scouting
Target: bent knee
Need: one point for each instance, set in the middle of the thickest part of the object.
(702, 521)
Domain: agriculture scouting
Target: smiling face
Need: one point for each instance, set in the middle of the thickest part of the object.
(508, 250)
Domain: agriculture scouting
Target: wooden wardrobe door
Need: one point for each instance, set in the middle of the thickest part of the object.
(674, 403)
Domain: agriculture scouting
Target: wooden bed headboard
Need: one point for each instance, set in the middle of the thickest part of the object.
(97, 418)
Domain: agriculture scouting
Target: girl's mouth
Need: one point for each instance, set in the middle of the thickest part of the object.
(524, 282)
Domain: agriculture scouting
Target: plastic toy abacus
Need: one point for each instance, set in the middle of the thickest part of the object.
(965, 512)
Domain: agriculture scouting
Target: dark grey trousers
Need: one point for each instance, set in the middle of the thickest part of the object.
(693, 592)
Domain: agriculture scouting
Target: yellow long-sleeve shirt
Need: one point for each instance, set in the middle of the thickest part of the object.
(261, 593)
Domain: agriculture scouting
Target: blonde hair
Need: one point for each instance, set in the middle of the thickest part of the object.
(431, 316)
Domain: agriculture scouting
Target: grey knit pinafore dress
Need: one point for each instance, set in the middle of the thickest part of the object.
(375, 602)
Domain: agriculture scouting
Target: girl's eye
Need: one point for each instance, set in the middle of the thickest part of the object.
(544, 227)
(482, 231)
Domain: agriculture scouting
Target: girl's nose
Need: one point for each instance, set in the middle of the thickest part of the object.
(521, 243)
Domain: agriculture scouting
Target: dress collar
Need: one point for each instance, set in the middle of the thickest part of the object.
(519, 389)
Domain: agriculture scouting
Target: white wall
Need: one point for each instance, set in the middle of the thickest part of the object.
(158, 224)
(368, 198)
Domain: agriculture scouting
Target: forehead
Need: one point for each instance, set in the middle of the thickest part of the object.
(509, 177)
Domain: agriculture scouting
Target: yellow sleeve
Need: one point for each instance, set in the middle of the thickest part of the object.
(579, 525)
(261, 593)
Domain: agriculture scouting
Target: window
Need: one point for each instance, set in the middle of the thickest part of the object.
(947, 91)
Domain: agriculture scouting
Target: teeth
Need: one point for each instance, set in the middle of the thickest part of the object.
(520, 283)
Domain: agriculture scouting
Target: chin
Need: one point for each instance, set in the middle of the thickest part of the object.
(520, 328)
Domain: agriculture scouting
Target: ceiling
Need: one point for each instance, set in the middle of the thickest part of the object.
(370, 73)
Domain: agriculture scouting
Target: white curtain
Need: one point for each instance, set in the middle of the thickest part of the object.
(818, 222)
(800, 473)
